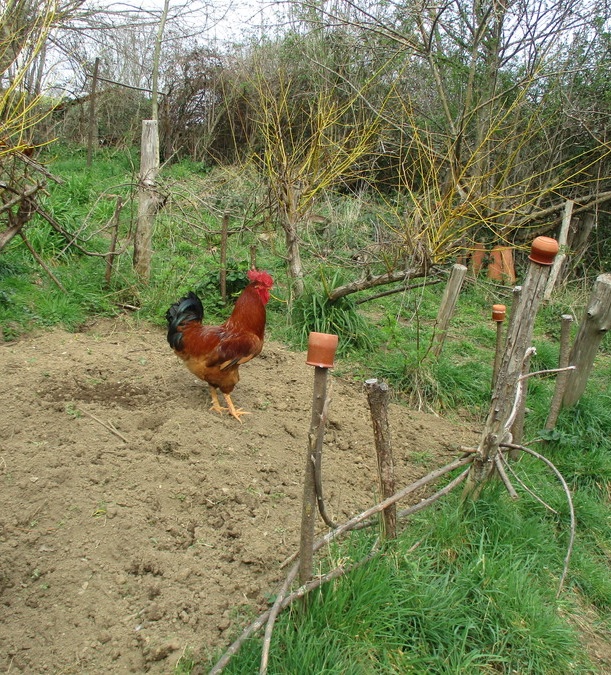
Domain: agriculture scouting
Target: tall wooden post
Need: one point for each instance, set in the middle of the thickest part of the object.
(147, 199)
(595, 324)
(560, 258)
(508, 385)
(223, 279)
(498, 316)
(321, 352)
(561, 378)
(448, 303)
(92, 135)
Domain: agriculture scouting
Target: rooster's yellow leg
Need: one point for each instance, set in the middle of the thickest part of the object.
(235, 412)
(216, 406)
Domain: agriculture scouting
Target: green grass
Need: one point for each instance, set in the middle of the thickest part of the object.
(476, 596)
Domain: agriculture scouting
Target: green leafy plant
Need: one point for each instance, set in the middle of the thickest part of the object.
(313, 311)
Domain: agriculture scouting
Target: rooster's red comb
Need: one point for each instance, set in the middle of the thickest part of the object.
(261, 277)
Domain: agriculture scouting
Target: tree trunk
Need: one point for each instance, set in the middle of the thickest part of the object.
(289, 226)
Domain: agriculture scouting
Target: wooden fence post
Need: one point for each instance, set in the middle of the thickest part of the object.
(448, 302)
(506, 393)
(560, 258)
(595, 324)
(110, 260)
(321, 351)
(223, 275)
(377, 396)
(561, 378)
(147, 199)
(92, 133)
(498, 316)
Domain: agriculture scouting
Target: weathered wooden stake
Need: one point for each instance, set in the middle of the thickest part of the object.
(110, 260)
(92, 134)
(560, 258)
(595, 324)
(515, 299)
(508, 385)
(448, 303)
(377, 395)
(498, 316)
(561, 378)
(148, 199)
(321, 352)
(517, 428)
(223, 273)
(308, 513)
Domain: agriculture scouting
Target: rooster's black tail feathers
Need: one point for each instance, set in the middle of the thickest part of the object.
(185, 310)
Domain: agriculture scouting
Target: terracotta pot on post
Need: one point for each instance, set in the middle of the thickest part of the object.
(543, 250)
(498, 316)
(321, 349)
(321, 353)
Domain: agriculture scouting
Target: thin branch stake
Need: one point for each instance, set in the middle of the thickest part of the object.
(498, 460)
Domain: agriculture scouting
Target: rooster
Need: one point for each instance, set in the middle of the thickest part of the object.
(214, 353)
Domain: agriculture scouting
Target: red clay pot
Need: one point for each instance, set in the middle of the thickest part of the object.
(498, 312)
(543, 250)
(321, 349)
(501, 266)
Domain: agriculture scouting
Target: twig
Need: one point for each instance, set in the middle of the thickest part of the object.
(317, 459)
(41, 262)
(525, 487)
(565, 487)
(517, 401)
(498, 461)
(271, 619)
(108, 426)
(433, 498)
(312, 585)
(548, 371)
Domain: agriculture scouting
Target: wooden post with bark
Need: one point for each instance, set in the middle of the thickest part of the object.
(110, 260)
(562, 377)
(498, 316)
(448, 303)
(308, 512)
(377, 396)
(223, 276)
(148, 199)
(595, 324)
(509, 384)
(562, 241)
(92, 134)
(321, 352)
